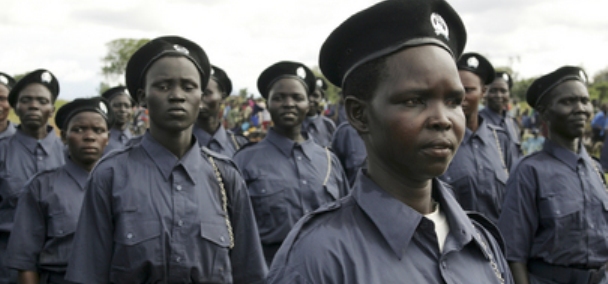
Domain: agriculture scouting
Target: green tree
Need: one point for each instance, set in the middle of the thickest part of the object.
(115, 61)
(601, 76)
(520, 87)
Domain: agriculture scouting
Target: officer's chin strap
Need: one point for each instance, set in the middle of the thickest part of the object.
(224, 200)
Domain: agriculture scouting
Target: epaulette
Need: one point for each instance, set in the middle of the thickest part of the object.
(496, 127)
(483, 222)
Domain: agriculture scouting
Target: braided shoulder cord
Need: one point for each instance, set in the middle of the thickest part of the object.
(236, 144)
(502, 156)
(224, 200)
(328, 166)
(492, 261)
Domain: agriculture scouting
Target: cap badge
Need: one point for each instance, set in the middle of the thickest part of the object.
(46, 77)
(473, 62)
(103, 107)
(440, 26)
(505, 77)
(583, 76)
(212, 71)
(301, 72)
(319, 83)
(3, 80)
(181, 49)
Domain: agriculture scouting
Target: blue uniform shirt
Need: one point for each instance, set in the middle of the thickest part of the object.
(371, 237)
(21, 156)
(505, 121)
(556, 209)
(46, 220)
(287, 180)
(9, 131)
(350, 150)
(149, 217)
(222, 141)
(320, 128)
(477, 173)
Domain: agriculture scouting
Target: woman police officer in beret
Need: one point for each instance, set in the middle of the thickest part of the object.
(400, 224)
(48, 210)
(165, 209)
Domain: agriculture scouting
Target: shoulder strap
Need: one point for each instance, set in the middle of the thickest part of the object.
(500, 152)
(224, 196)
(236, 144)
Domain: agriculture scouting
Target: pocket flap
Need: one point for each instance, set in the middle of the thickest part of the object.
(60, 225)
(131, 231)
(216, 233)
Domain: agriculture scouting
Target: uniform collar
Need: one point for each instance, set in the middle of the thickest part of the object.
(117, 133)
(165, 161)
(9, 131)
(32, 143)
(77, 173)
(286, 145)
(495, 118)
(204, 138)
(482, 132)
(313, 121)
(564, 155)
(398, 222)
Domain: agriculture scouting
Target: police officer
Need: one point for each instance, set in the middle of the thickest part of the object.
(121, 104)
(287, 173)
(555, 217)
(33, 148)
(403, 96)
(46, 218)
(166, 210)
(497, 102)
(350, 150)
(7, 129)
(317, 125)
(208, 129)
(479, 171)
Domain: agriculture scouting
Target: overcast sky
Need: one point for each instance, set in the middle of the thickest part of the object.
(243, 37)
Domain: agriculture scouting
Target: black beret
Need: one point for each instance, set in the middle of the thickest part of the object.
(543, 85)
(220, 76)
(505, 76)
(113, 92)
(40, 76)
(388, 27)
(157, 48)
(286, 69)
(7, 80)
(479, 65)
(69, 110)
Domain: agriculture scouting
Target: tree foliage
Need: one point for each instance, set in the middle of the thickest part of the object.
(115, 61)
(333, 92)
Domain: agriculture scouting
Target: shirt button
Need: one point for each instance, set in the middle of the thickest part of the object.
(39, 158)
(304, 182)
(180, 223)
(299, 158)
(263, 190)
(475, 146)
(178, 259)
(129, 236)
(444, 264)
(222, 238)
(61, 231)
(178, 187)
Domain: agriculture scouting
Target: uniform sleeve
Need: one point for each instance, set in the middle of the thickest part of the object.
(93, 241)
(248, 264)
(518, 220)
(29, 230)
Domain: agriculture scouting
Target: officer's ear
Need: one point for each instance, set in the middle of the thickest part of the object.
(356, 112)
(141, 97)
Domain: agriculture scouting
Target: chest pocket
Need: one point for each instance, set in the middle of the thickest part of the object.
(268, 198)
(564, 213)
(136, 241)
(10, 188)
(214, 252)
(60, 224)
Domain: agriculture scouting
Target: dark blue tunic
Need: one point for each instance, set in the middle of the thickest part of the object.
(320, 128)
(287, 180)
(149, 217)
(222, 141)
(371, 237)
(350, 150)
